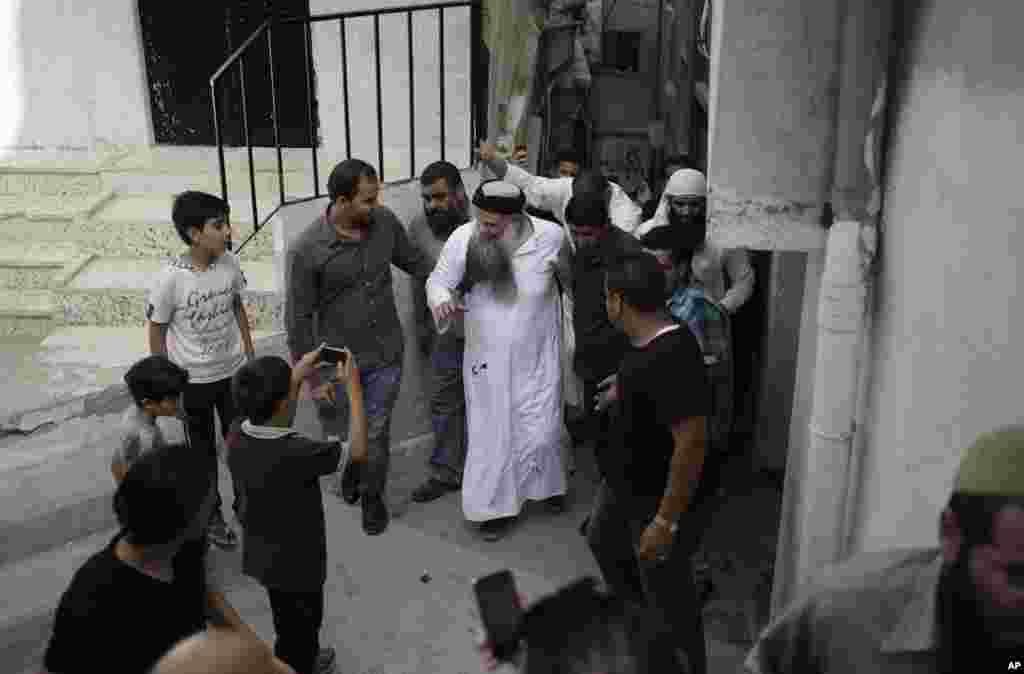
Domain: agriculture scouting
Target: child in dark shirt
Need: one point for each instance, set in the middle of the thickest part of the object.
(272, 464)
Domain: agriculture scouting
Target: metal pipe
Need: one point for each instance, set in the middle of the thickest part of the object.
(248, 140)
(274, 113)
(236, 54)
(375, 12)
(344, 90)
(220, 144)
(440, 42)
(380, 102)
(412, 101)
(309, 106)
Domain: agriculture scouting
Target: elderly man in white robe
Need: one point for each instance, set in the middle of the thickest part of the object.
(507, 265)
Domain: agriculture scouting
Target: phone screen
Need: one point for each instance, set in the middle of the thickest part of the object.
(332, 356)
(500, 612)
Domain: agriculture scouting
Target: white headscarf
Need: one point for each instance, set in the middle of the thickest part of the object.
(683, 183)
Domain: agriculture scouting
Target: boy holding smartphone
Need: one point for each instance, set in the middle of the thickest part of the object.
(271, 463)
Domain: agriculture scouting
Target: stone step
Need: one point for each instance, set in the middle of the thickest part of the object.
(27, 312)
(134, 226)
(111, 291)
(33, 265)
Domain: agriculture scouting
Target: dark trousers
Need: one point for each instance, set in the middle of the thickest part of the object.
(297, 620)
(380, 392)
(200, 401)
(665, 585)
(448, 411)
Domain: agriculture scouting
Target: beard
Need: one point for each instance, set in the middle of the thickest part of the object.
(444, 221)
(964, 636)
(692, 229)
(489, 261)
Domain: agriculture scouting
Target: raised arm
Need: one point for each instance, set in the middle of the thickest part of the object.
(546, 194)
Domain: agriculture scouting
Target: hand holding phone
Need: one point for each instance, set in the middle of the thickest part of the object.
(333, 356)
(500, 613)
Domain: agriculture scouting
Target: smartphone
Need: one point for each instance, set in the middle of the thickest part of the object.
(500, 612)
(333, 356)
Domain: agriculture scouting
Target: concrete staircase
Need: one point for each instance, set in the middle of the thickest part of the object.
(79, 243)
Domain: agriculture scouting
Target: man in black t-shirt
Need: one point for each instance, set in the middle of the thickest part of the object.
(651, 469)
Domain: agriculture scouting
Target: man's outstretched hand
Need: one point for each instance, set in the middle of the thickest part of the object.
(447, 311)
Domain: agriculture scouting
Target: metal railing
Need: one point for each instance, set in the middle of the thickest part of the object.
(477, 121)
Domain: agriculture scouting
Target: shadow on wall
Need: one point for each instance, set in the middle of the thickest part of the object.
(12, 64)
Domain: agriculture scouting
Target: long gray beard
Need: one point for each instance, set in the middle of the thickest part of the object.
(488, 261)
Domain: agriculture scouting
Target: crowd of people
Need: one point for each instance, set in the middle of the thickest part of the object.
(645, 306)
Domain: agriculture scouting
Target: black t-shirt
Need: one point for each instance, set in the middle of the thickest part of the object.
(659, 385)
(114, 618)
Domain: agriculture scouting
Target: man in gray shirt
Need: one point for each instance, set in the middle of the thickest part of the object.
(445, 207)
(340, 292)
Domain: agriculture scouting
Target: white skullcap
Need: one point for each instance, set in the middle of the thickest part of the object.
(687, 183)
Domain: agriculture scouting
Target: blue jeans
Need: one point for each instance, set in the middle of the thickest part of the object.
(380, 392)
(448, 411)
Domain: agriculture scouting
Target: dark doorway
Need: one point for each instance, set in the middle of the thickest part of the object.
(185, 42)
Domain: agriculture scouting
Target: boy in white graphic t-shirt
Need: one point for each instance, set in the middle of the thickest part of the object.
(195, 316)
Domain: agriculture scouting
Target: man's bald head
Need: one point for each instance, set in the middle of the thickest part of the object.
(221, 651)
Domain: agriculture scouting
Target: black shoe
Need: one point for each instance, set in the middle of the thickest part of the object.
(431, 490)
(350, 479)
(375, 515)
(555, 505)
(494, 530)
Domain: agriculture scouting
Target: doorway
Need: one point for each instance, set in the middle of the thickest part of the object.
(185, 42)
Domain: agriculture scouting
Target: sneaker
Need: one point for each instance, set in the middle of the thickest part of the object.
(431, 490)
(375, 515)
(494, 530)
(221, 535)
(555, 505)
(325, 661)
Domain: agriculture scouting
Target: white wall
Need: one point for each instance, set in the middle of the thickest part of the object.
(395, 79)
(949, 337)
(77, 74)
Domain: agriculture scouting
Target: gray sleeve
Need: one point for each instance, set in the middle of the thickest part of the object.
(300, 305)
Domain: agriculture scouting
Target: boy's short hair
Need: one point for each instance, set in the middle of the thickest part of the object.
(259, 385)
(155, 378)
(640, 279)
(163, 493)
(194, 209)
(587, 211)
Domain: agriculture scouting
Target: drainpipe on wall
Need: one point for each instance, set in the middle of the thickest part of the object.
(831, 475)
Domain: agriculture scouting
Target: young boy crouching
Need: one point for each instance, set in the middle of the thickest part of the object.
(275, 467)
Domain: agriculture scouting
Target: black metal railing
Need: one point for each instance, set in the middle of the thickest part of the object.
(265, 34)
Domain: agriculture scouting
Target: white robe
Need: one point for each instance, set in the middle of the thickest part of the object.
(512, 376)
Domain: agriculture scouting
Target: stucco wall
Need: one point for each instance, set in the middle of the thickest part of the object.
(75, 77)
(949, 336)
